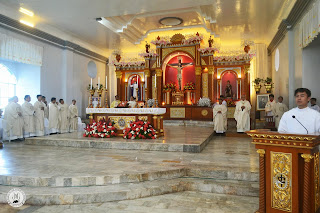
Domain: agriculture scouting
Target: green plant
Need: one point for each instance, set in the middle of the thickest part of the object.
(89, 87)
(268, 80)
(257, 81)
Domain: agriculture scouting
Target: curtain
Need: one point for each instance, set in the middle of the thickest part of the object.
(20, 51)
(310, 25)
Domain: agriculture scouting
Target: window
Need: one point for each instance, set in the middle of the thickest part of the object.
(7, 85)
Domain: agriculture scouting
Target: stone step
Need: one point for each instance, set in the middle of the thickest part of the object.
(128, 191)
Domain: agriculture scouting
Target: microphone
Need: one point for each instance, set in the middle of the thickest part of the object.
(294, 117)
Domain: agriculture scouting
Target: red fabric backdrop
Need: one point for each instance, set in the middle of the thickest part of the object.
(229, 76)
(188, 73)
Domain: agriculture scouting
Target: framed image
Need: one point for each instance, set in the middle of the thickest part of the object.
(262, 100)
(95, 101)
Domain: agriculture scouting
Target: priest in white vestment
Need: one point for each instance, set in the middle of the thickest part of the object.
(14, 120)
(220, 117)
(53, 116)
(242, 115)
(313, 102)
(46, 107)
(278, 111)
(132, 103)
(302, 119)
(39, 116)
(63, 117)
(270, 105)
(73, 116)
(28, 117)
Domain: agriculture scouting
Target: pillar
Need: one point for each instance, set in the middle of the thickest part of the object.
(148, 82)
(210, 82)
(291, 68)
(306, 208)
(262, 181)
(119, 79)
(159, 85)
(198, 71)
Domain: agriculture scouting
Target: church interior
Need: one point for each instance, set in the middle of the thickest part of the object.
(158, 106)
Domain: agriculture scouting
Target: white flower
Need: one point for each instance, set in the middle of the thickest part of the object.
(112, 131)
(155, 136)
(141, 128)
(102, 135)
(132, 132)
(145, 132)
(104, 130)
(125, 137)
(132, 138)
(137, 129)
(148, 130)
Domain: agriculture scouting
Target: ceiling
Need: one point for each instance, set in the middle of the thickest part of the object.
(229, 20)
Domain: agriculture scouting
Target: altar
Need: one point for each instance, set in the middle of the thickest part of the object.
(123, 116)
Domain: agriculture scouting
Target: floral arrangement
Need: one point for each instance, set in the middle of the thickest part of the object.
(170, 87)
(268, 80)
(150, 54)
(257, 81)
(139, 130)
(100, 87)
(189, 86)
(160, 42)
(230, 102)
(129, 63)
(101, 129)
(150, 102)
(208, 50)
(234, 57)
(247, 43)
(204, 102)
(193, 39)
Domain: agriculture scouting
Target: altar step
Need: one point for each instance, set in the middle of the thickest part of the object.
(187, 123)
(128, 191)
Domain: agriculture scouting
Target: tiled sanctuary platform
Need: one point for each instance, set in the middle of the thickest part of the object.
(176, 138)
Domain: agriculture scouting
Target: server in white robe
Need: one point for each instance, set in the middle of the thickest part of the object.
(242, 115)
(14, 120)
(278, 111)
(46, 107)
(73, 116)
(53, 116)
(270, 105)
(39, 116)
(63, 117)
(313, 102)
(302, 119)
(220, 117)
(28, 117)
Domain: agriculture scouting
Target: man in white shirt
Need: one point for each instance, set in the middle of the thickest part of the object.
(53, 116)
(28, 117)
(313, 102)
(270, 105)
(73, 116)
(220, 117)
(302, 119)
(278, 111)
(242, 115)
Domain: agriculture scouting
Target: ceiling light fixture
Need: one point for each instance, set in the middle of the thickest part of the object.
(27, 23)
(25, 11)
(171, 21)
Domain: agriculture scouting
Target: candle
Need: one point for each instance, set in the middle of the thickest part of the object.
(106, 81)
(145, 79)
(91, 84)
(98, 82)
(155, 80)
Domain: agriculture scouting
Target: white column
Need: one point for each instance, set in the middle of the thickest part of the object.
(291, 69)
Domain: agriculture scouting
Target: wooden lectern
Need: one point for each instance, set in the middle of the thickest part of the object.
(289, 172)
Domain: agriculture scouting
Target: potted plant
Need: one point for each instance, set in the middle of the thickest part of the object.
(268, 84)
(257, 85)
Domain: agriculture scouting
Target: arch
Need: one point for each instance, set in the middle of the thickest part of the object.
(129, 91)
(231, 76)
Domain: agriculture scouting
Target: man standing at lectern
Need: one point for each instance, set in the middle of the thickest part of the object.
(302, 119)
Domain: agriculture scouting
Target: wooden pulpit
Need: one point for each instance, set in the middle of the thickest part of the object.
(288, 171)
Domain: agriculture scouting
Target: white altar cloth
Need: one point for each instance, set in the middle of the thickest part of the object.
(136, 111)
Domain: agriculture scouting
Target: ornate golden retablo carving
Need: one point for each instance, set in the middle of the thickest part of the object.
(307, 157)
(198, 70)
(122, 122)
(281, 177)
(177, 112)
(261, 152)
(118, 74)
(204, 112)
(316, 181)
(177, 38)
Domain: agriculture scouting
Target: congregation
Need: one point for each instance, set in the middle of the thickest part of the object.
(27, 120)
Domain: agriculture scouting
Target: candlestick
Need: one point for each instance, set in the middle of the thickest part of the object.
(98, 82)
(91, 84)
(155, 80)
(146, 81)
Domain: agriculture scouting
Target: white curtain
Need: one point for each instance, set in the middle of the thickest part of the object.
(20, 51)
(310, 25)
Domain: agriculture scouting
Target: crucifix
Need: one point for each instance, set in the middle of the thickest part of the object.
(179, 66)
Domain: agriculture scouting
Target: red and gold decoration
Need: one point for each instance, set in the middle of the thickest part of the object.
(140, 130)
(101, 129)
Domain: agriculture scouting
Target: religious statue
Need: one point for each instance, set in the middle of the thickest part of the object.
(210, 41)
(135, 89)
(179, 66)
(147, 47)
(228, 90)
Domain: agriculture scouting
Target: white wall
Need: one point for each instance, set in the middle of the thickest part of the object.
(311, 68)
(63, 72)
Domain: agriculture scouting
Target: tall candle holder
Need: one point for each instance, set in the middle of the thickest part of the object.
(155, 105)
(91, 91)
(106, 104)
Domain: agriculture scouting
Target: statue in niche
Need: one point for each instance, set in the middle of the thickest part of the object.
(179, 66)
(228, 90)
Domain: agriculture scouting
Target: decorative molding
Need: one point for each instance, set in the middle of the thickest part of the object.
(119, 74)
(177, 112)
(307, 157)
(205, 87)
(159, 72)
(16, 26)
(198, 70)
(261, 152)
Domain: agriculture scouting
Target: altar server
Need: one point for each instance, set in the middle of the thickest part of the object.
(242, 115)
(28, 117)
(63, 117)
(302, 119)
(270, 105)
(313, 102)
(39, 116)
(73, 116)
(14, 120)
(220, 117)
(116, 102)
(278, 110)
(53, 116)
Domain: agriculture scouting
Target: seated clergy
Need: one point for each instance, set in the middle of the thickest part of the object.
(14, 120)
(242, 115)
(63, 117)
(73, 116)
(132, 103)
(302, 119)
(53, 116)
(220, 117)
(115, 103)
(278, 110)
(28, 117)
